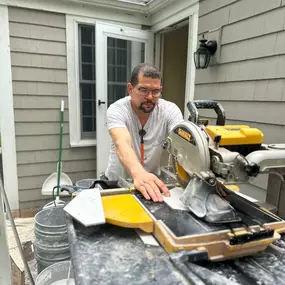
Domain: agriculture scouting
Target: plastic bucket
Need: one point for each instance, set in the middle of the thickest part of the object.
(85, 183)
(60, 273)
(51, 240)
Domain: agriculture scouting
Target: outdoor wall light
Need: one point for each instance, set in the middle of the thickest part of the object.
(203, 54)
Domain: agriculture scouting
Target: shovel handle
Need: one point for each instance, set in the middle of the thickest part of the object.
(60, 145)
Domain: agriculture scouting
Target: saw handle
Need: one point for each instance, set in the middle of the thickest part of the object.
(193, 107)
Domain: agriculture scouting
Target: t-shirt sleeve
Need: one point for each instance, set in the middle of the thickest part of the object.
(116, 117)
(174, 116)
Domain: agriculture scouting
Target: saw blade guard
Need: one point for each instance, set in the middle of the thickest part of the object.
(187, 143)
(202, 199)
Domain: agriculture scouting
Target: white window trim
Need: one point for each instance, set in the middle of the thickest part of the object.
(191, 69)
(73, 81)
(7, 125)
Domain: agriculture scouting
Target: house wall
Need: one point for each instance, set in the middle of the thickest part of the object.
(38, 56)
(249, 79)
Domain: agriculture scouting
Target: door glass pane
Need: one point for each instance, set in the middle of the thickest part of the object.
(87, 80)
(123, 56)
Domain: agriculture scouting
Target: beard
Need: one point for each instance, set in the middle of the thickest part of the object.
(147, 107)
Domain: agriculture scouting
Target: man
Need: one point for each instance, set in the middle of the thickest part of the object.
(138, 125)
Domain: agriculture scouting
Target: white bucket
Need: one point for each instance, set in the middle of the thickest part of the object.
(60, 273)
(85, 183)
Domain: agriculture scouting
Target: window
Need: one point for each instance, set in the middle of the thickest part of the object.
(118, 68)
(120, 61)
(87, 83)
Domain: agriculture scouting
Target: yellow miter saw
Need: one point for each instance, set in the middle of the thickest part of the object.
(207, 157)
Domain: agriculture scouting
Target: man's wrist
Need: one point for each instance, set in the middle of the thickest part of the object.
(135, 170)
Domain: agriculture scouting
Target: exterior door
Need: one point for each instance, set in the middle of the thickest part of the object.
(118, 50)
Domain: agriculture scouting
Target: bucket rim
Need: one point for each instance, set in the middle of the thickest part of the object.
(85, 179)
(50, 266)
(50, 226)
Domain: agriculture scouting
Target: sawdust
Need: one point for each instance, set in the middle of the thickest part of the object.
(210, 277)
(115, 252)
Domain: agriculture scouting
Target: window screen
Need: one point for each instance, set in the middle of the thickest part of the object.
(87, 80)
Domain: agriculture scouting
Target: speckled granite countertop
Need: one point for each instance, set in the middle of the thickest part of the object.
(109, 255)
(112, 255)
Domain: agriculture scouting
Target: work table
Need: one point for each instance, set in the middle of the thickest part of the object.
(108, 254)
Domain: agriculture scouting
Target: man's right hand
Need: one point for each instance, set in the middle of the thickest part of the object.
(150, 186)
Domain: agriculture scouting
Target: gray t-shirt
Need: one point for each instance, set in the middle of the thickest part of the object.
(162, 119)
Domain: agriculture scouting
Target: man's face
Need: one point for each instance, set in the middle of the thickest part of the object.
(145, 95)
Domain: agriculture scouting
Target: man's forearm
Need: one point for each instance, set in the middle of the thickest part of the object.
(128, 158)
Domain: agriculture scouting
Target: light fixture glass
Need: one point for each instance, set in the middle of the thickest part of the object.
(203, 54)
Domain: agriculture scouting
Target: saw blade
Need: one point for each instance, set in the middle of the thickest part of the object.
(183, 177)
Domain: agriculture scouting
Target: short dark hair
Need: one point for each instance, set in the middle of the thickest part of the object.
(148, 70)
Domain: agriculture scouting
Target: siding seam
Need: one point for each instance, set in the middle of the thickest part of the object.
(69, 172)
(37, 25)
(54, 161)
(244, 101)
(27, 52)
(49, 149)
(215, 10)
(254, 37)
(49, 82)
(233, 81)
(41, 96)
(253, 59)
(244, 19)
(37, 39)
(32, 81)
(38, 67)
(239, 81)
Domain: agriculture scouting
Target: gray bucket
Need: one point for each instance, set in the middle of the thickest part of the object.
(51, 240)
(60, 273)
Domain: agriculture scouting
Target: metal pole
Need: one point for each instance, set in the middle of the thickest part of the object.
(26, 266)
(5, 265)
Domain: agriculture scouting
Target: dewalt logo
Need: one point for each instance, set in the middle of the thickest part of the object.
(184, 134)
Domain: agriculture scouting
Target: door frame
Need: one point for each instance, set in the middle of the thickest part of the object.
(192, 20)
(72, 57)
(103, 31)
(7, 117)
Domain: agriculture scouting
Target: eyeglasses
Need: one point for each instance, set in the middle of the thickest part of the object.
(145, 92)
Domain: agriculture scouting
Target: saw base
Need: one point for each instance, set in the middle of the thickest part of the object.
(179, 230)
